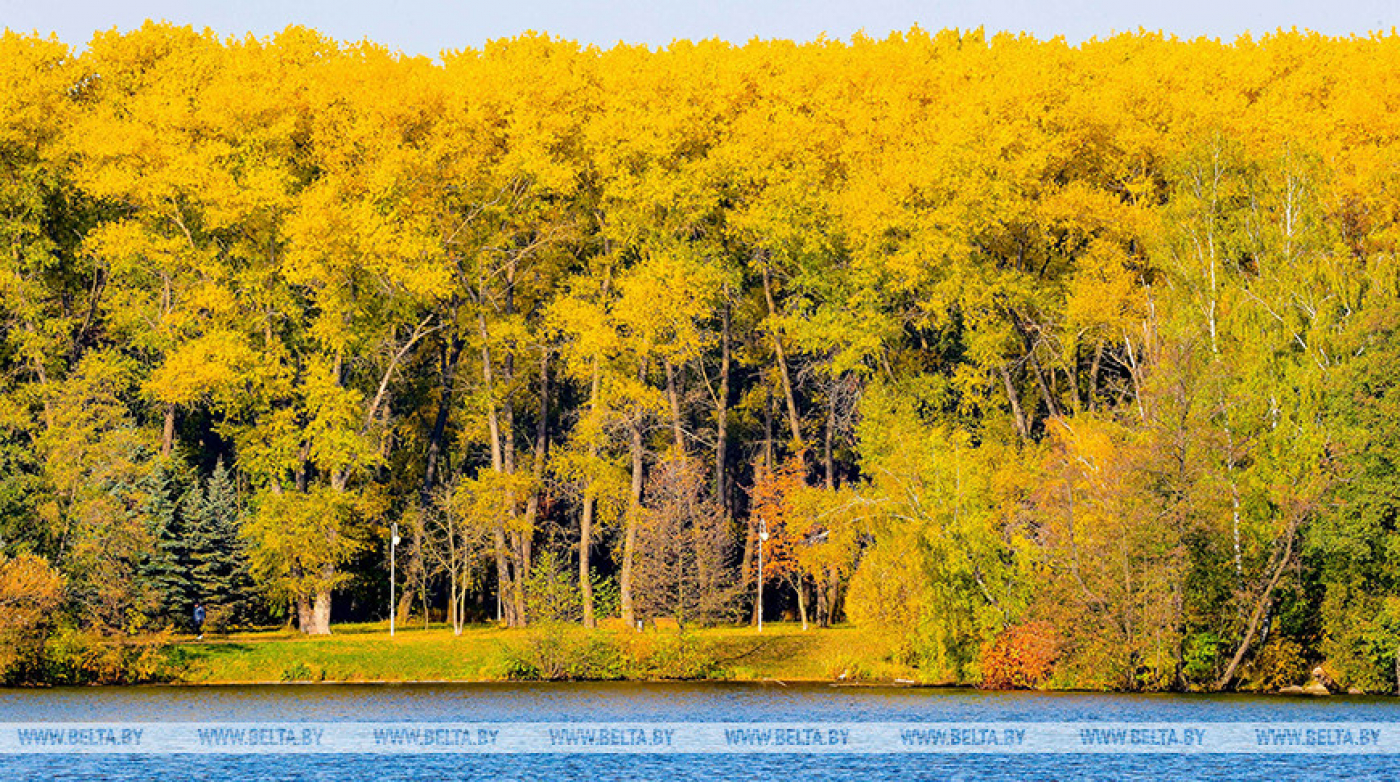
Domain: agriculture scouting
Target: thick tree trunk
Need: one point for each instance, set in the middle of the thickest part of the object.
(404, 606)
(321, 609)
(802, 601)
(167, 439)
(306, 618)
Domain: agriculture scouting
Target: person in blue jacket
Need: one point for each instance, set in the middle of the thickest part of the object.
(199, 619)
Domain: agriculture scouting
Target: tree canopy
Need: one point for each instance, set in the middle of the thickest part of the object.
(1004, 342)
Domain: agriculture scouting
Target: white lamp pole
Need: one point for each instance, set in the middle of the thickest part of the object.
(762, 538)
(393, 544)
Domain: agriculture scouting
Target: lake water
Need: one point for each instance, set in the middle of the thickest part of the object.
(675, 703)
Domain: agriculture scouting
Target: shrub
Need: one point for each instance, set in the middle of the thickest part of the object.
(564, 652)
(1021, 657)
(86, 657)
(680, 656)
(1200, 657)
(29, 592)
(301, 672)
(1280, 663)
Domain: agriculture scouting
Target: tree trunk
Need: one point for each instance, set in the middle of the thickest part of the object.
(1021, 426)
(1091, 402)
(404, 607)
(747, 567)
(794, 421)
(167, 439)
(802, 601)
(306, 619)
(722, 416)
(833, 600)
(321, 609)
(414, 568)
(500, 447)
(453, 610)
(505, 606)
(769, 460)
(629, 543)
(827, 461)
(520, 539)
(525, 538)
(1052, 407)
(585, 533)
(676, 430)
(1259, 609)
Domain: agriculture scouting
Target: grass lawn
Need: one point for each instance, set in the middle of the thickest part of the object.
(365, 652)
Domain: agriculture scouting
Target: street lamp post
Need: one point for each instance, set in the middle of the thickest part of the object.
(762, 538)
(393, 544)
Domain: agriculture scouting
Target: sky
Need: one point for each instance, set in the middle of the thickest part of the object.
(428, 27)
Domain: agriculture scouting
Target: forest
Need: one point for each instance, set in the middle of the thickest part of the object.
(1059, 366)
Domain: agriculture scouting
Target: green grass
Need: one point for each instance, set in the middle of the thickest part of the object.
(365, 652)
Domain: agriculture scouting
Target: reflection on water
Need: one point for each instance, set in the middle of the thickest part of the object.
(672, 702)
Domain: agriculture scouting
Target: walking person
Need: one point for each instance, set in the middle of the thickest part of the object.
(199, 620)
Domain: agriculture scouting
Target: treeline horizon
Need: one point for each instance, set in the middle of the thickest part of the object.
(1052, 365)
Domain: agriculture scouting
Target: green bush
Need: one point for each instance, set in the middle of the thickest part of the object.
(1201, 657)
(563, 652)
(681, 656)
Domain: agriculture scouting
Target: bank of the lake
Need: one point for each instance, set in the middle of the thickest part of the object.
(482, 653)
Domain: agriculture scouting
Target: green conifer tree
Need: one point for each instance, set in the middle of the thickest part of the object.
(219, 565)
(167, 568)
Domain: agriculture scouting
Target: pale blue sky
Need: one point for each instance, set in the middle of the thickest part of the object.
(429, 26)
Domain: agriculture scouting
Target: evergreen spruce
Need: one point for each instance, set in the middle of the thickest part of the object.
(219, 565)
(166, 570)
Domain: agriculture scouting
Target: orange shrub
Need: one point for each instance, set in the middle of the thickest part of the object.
(1021, 657)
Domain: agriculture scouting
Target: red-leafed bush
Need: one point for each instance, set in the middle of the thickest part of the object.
(1021, 657)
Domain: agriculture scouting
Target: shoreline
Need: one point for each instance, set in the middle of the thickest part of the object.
(784, 655)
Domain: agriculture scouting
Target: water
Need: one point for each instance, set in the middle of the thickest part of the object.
(635, 702)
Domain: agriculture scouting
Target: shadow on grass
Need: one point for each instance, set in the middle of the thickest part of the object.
(202, 649)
